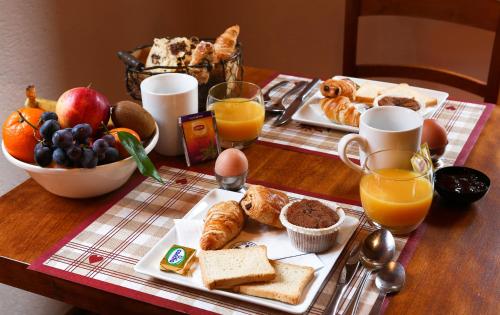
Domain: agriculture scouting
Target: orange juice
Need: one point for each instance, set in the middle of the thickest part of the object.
(396, 198)
(238, 119)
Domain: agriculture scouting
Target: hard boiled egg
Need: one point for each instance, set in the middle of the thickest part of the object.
(231, 162)
(435, 136)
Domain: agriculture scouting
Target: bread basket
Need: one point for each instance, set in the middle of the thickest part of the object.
(312, 240)
(135, 71)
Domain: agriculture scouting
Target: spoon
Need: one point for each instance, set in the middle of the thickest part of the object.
(267, 96)
(378, 249)
(277, 107)
(390, 278)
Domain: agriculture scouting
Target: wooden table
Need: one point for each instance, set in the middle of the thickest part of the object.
(455, 269)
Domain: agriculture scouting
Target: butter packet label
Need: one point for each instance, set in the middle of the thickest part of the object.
(199, 137)
(178, 259)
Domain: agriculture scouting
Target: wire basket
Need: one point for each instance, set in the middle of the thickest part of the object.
(224, 71)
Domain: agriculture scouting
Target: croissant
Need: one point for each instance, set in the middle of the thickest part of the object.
(203, 51)
(223, 222)
(264, 204)
(225, 44)
(342, 87)
(340, 110)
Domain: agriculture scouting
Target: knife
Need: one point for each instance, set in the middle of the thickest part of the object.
(346, 275)
(295, 105)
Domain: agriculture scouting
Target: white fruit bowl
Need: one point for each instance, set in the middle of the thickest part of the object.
(82, 182)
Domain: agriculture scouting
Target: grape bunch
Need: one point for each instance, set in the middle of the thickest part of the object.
(72, 147)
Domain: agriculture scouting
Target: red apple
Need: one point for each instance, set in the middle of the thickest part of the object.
(83, 105)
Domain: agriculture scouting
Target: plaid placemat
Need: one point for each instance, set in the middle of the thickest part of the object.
(462, 121)
(103, 252)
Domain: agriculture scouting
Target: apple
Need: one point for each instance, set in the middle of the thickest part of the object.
(83, 105)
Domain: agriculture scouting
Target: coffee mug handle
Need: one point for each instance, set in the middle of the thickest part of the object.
(342, 148)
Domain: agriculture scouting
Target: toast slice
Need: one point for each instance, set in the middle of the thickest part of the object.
(406, 90)
(227, 268)
(287, 287)
(367, 93)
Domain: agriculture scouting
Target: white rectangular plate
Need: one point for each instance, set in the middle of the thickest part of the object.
(311, 114)
(149, 264)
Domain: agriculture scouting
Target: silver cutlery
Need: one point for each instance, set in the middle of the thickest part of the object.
(346, 275)
(268, 102)
(278, 106)
(296, 104)
(378, 249)
(390, 278)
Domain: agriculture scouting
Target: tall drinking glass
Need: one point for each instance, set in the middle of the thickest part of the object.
(396, 189)
(239, 112)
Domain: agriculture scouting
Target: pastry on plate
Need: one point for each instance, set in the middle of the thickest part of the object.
(264, 205)
(340, 110)
(342, 87)
(223, 222)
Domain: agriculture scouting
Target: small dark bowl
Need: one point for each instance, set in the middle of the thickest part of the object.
(460, 184)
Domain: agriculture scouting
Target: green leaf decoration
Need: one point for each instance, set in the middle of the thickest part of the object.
(136, 150)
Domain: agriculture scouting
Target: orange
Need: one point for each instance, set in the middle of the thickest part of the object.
(19, 137)
(123, 152)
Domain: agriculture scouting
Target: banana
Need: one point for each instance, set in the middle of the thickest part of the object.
(42, 103)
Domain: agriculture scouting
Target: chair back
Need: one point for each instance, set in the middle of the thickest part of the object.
(483, 14)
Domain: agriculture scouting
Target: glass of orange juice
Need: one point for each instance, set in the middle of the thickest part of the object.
(396, 189)
(239, 112)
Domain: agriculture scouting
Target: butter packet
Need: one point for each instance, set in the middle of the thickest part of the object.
(178, 259)
(199, 137)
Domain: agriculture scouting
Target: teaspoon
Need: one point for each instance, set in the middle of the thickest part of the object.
(390, 278)
(377, 250)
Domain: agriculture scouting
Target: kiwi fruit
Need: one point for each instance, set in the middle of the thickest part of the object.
(127, 114)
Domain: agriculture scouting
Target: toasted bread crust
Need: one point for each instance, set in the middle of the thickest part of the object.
(294, 294)
(230, 281)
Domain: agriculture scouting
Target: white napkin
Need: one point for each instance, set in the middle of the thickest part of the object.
(277, 242)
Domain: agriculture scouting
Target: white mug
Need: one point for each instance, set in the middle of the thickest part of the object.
(168, 96)
(382, 128)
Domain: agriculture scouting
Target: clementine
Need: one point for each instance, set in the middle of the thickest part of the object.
(19, 136)
(114, 132)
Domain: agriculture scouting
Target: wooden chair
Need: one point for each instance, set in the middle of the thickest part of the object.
(484, 14)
